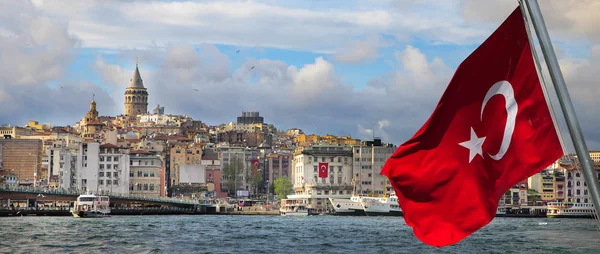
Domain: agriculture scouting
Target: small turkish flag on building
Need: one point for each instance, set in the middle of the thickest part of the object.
(490, 130)
(323, 166)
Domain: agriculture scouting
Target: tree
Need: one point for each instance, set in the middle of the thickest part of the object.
(283, 187)
(231, 174)
(256, 180)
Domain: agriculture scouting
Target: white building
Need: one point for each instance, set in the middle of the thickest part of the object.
(369, 159)
(92, 167)
(305, 175)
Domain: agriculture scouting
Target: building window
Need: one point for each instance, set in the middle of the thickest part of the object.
(339, 169)
(145, 173)
(116, 182)
(100, 182)
(316, 168)
(139, 187)
(115, 174)
(108, 158)
(101, 174)
(116, 158)
(130, 173)
(578, 183)
(116, 166)
(151, 186)
(108, 182)
(107, 174)
(152, 173)
(139, 173)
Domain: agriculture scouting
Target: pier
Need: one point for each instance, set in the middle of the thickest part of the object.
(54, 202)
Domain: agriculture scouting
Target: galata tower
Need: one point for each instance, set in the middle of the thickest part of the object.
(136, 96)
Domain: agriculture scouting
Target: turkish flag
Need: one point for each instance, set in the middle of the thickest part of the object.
(490, 130)
(323, 166)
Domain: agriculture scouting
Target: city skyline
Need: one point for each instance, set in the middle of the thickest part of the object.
(326, 69)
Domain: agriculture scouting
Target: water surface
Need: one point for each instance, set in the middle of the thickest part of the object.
(275, 234)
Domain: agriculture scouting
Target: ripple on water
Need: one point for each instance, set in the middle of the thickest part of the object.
(272, 234)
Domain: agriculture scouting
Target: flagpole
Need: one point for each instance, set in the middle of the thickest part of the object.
(562, 93)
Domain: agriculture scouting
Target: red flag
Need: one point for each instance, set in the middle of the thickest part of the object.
(323, 166)
(490, 130)
(255, 163)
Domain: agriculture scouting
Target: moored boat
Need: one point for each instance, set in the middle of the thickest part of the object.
(570, 210)
(91, 206)
(293, 207)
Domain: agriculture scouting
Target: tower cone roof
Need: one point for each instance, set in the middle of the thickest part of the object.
(136, 80)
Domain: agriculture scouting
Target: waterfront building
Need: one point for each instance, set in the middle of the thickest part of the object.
(315, 191)
(368, 159)
(277, 164)
(145, 174)
(23, 158)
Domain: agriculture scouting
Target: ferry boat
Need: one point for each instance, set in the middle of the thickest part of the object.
(570, 210)
(500, 212)
(293, 207)
(91, 206)
(359, 205)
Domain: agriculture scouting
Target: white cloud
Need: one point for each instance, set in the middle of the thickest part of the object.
(359, 51)
(36, 46)
(257, 23)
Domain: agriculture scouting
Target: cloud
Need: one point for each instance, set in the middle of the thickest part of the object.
(38, 42)
(359, 51)
(34, 53)
(275, 24)
(312, 96)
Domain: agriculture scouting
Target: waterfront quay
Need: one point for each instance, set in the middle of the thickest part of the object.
(53, 202)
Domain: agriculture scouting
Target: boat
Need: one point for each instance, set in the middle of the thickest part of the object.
(359, 205)
(91, 206)
(501, 212)
(293, 207)
(570, 210)
(381, 206)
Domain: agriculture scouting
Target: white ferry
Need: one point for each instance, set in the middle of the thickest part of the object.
(293, 207)
(369, 206)
(570, 210)
(91, 206)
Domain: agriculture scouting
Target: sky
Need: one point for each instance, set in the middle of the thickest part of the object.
(341, 67)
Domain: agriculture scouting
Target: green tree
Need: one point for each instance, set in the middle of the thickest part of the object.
(231, 174)
(283, 187)
(256, 179)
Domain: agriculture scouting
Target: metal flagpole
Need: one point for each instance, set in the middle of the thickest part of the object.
(562, 93)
